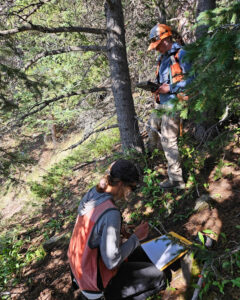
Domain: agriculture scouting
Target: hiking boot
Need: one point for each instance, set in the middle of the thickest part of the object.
(170, 184)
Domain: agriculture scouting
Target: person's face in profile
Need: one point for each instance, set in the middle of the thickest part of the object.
(125, 190)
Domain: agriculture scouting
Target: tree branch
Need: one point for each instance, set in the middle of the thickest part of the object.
(206, 264)
(36, 5)
(45, 103)
(86, 136)
(93, 48)
(149, 126)
(82, 165)
(32, 27)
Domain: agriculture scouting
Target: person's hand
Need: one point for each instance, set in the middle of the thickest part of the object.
(141, 231)
(154, 89)
(156, 96)
(164, 88)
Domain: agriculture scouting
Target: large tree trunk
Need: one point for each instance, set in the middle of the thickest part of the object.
(121, 85)
(203, 5)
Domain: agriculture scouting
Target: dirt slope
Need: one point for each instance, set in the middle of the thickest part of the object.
(50, 278)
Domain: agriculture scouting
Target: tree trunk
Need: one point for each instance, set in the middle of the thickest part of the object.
(203, 5)
(121, 85)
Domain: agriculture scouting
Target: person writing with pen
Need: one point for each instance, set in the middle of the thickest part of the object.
(102, 264)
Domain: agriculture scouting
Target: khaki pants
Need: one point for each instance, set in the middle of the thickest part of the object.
(169, 126)
(154, 141)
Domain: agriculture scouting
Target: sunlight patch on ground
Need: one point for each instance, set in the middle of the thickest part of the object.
(16, 199)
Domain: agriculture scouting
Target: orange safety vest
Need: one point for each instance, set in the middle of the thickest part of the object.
(177, 74)
(85, 262)
(175, 68)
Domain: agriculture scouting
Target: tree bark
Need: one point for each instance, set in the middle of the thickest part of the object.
(121, 85)
(203, 5)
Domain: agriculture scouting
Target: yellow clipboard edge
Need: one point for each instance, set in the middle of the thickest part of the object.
(185, 241)
(173, 234)
(181, 238)
(174, 259)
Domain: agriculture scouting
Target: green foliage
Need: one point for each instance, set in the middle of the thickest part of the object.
(55, 181)
(223, 274)
(215, 64)
(52, 75)
(14, 256)
(11, 164)
(151, 181)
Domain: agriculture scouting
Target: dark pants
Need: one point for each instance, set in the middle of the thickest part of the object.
(136, 279)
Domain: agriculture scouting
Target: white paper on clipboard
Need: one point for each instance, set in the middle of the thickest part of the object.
(163, 250)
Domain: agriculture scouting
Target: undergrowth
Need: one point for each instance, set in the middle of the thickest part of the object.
(16, 250)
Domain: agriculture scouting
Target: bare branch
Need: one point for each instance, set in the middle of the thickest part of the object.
(40, 106)
(36, 6)
(86, 136)
(93, 48)
(199, 283)
(82, 165)
(206, 265)
(149, 126)
(32, 27)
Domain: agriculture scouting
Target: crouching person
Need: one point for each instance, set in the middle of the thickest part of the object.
(102, 265)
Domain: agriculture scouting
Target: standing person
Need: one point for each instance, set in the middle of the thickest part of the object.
(101, 263)
(170, 77)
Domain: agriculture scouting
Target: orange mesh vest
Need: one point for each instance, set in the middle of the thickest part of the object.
(176, 70)
(84, 260)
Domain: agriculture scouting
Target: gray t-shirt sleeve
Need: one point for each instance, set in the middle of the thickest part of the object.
(106, 235)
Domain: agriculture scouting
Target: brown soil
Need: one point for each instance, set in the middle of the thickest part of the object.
(49, 279)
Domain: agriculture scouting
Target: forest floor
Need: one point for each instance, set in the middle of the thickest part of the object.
(49, 278)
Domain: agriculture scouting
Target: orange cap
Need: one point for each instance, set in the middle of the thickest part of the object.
(158, 32)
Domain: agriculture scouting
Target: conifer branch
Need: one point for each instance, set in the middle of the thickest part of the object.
(33, 27)
(86, 136)
(93, 48)
(40, 106)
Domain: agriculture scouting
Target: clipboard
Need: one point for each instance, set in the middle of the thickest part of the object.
(166, 249)
(148, 86)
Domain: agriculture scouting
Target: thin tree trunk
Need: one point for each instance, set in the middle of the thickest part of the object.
(203, 5)
(121, 85)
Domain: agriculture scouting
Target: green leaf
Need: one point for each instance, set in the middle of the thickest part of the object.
(236, 282)
(209, 231)
(226, 264)
(201, 237)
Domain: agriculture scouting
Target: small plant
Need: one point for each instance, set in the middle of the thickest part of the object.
(151, 181)
(15, 253)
